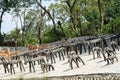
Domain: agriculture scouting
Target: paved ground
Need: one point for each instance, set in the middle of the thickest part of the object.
(62, 68)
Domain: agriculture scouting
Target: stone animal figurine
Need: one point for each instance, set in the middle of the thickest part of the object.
(110, 55)
(47, 67)
(114, 45)
(73, 57)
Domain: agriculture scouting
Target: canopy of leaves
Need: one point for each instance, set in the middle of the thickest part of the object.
(81, 17)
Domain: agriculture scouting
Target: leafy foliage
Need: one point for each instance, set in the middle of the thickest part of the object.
(71, 18)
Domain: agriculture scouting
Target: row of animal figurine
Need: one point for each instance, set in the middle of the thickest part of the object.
(43, 54)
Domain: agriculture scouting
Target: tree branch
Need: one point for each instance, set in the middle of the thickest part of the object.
(44, 9)
(1, 16)
(67, 2)
(70, 6)
(51, 17)
(73, 4)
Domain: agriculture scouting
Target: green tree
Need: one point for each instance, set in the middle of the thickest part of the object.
(6, 6)
(51, 17)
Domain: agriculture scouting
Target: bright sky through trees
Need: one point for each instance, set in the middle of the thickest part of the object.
(8, 23)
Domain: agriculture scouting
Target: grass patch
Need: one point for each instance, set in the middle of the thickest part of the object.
(21, 78)
(45, 78)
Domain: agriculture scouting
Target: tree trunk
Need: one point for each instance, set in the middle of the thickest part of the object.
(101, 17)
(39, 25)
(23, 37)
(73, 24)
(80, 28)
(54, 25)
(1, 16)
(54, 28)
(39, 35)
(23, 31)
(112, 28)
(59, 23)
(22, 28)
(74, 28)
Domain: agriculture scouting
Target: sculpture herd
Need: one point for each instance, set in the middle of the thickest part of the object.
(46, 54)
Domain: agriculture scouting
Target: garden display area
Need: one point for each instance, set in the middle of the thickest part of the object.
(60, 39)
(74, 58)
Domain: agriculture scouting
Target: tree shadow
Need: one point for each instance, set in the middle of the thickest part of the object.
(107, 65)
(104, 65)
(42, 72)
(64, 63)
(6, 75)
(66, 70)
(100, 61)
(90, 59)
(26, 73)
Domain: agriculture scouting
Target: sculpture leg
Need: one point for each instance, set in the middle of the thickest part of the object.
(76, 62)
(62, 55)
(59, 56)
(81, 60)
(33, 66)
(20, 66)
(71, 64)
